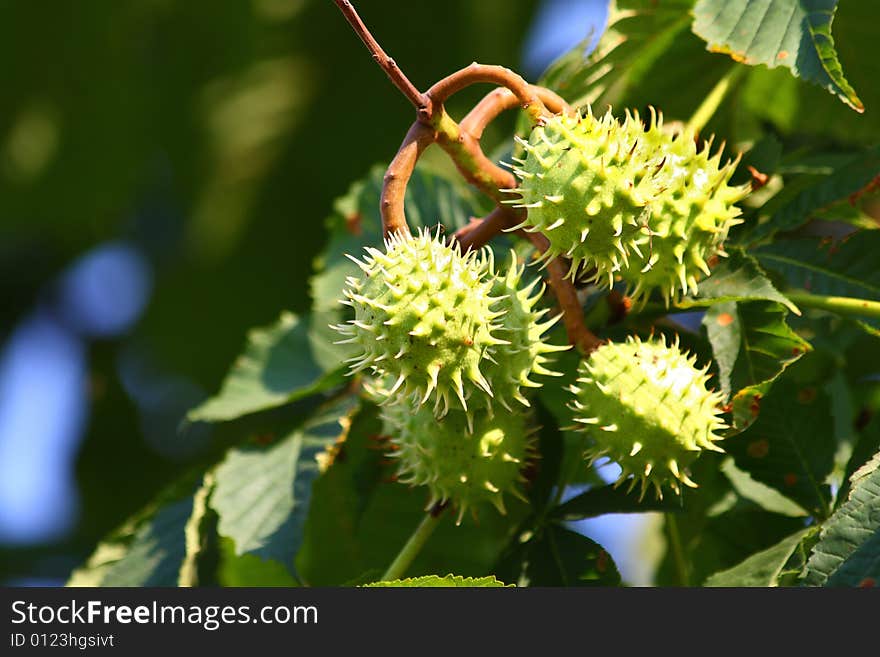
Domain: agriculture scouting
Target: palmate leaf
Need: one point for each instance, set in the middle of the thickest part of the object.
(262, 493)
(751, 343)
(791, 445)
(815, 186)
(848, 551)
(556, 556)
(278, 366)
(435, 581)
(762, 568)
(791, 33)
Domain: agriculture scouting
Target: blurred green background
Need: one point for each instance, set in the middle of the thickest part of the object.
(165, 171)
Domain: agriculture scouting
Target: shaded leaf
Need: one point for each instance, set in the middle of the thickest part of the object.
(751, 342)
(608, 499)
(277, 367)
(647, 55)
(791, 33)
(262, 493)
(435, 581)
(865, 447)
(848, 551)
(556, 556)
(737, 278)
(816, 186)
(763, 568)
(846, 269)
(765, 497)
(791, 445)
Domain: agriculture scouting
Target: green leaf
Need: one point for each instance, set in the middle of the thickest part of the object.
(775, 96)
(647, 55)
(765, 497)
(763, 568)
(262, 492)
(846, 269)
(277, 367)
(556, 556)
(865, 447)
(824, 182)
(737, 278)
(435, 581)
(149, 548)
(791, 445)
(751, 343)
(848, 551)
(791, 33)
(610, 499)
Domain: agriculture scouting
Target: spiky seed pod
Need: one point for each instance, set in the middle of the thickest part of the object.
(642, 205)
(522, 328)
(425, 317)
(648, 409)
(462, 467)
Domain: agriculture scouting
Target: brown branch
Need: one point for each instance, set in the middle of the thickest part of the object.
(502, 99)
(498, 75)
(572, 313)
(469, 158)
(479, 231)
(391, 204)
(419, 100)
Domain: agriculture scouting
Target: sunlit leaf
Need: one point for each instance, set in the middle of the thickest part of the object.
(791, 33)
(435, 581)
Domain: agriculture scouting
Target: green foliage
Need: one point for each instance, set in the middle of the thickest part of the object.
(764, 568)
(751, 343)
(791, 33)
(846, 554)
(301, 485)
(277, 367)
(435, 581)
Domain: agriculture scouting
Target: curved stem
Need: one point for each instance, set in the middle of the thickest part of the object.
(413, 95)
(711, 103)
(470, 160)
(502, 99)
(840, 305)
(498, 75)
(413, 546)
(391, 203)
(572, 313)
(478, 233)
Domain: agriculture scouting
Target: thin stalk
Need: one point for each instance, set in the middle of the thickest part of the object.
(712, 102)
(386, 63)
(414, 545)
(677, 550)
(838, 305)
